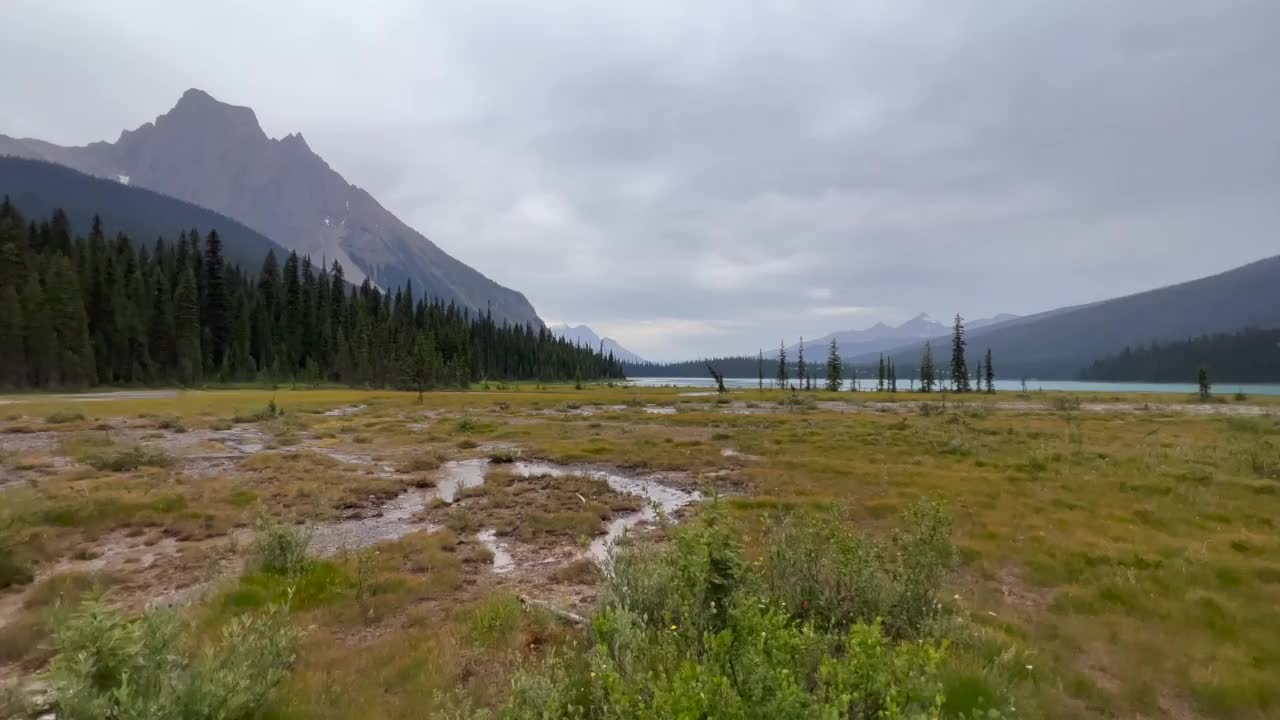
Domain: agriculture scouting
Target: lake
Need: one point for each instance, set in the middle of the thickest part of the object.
(1001, 385)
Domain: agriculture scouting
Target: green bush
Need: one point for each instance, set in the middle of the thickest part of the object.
(693, 629)
(494, 618)
(1065, 403)
(128, 459)
(826, 574)
(279, 549)
(62, 417)
(13, 572)
(109, 666)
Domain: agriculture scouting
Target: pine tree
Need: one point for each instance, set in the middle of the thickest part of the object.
(293, 319)
(991, 373)
(893, 376)
(835, 368)
(216, 315)
(74, 362)
(88, 310)
(782, 365)
(926, 369)
(418, 369)
(880, 375)
(13, 358)
(760, 368)
(37, 336)
(959, 371)
(160, 332)
(189, 360)
(1206, 390)
(801, 370)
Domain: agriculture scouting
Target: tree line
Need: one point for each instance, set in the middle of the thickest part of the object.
(835, 374)
(1251, 355)
(77, 311)
(931, 376)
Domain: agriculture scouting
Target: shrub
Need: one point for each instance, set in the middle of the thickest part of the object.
(830, 576)
(269, 412)
(62, 417)
(494, 619)
(279, 549)
(172, 423)
(929, 409)
(504, 456)
(1065, 403)
(109, 666)
(423, 462)
(128, 459)
(693, 630)
(13, 572)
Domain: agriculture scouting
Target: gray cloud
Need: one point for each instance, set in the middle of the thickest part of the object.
(707, 177)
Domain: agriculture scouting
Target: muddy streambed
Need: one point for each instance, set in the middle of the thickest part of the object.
(659, 498)
(399, 516)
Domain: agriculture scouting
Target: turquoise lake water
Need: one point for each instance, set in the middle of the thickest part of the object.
(1001, 385)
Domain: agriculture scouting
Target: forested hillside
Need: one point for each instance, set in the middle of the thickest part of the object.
(1057, 344)
(730, 367)
(40, 188)
(79, 311)
(1249, 356)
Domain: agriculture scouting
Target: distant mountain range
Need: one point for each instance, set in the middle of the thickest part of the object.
(217, 156)
(37, 188)
(583, 335)
(1059, 344)
(881, 337)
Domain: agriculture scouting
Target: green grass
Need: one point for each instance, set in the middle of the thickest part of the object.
(1132, 560)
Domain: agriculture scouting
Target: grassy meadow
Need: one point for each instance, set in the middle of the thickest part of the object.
(1114, 555)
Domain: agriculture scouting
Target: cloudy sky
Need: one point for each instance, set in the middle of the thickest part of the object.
(709, 177)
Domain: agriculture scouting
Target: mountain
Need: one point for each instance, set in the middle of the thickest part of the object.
(989, 322)
(1251, 356)
(1060, 343)
(881, 337)
(216, 155)
(38, 188)
(583, 335)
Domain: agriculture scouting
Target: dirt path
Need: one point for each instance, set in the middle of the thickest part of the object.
(95, 396)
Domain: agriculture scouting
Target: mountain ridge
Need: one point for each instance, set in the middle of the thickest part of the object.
(1060, 343)
(882, 337)
(37, 188)
(216, 155)
(584, 335)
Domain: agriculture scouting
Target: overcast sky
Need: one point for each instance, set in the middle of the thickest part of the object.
(710, 177)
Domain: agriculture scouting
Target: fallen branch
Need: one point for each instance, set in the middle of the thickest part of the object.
(558, 612)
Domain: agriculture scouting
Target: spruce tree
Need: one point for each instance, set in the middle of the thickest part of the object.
(294, 316)
(880, 375)
(37, 336)
(991, 373)
(835, 368)
(216, 315)
(782, 365)
(1206, 390)
(160, 333)
(801, 370)
(88, 310)
(893, 376)
(13, 359)
(959, 371)
(74, 362)
(189, 359)
(926, 369)
(760, 368)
